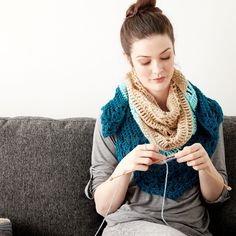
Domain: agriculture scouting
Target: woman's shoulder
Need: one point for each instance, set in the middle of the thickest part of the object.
(208, 111)
(99, 130)
(113, 112)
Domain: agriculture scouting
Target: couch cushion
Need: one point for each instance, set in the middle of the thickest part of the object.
(44, 167)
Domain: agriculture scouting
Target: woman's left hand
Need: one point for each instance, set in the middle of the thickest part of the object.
(195, 156)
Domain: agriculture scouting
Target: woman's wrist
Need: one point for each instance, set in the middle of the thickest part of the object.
(119, 172)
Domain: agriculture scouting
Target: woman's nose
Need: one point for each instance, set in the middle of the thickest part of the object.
(157, 69)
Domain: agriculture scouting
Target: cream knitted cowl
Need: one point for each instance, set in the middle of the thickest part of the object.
(167, 129)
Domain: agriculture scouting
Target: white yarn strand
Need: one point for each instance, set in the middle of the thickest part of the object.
(163, 201)
(112, 199)
(164, 195)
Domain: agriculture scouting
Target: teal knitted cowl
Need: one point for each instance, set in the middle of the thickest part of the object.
(117, 120)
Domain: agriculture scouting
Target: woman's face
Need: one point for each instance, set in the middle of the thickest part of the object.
(153, 61)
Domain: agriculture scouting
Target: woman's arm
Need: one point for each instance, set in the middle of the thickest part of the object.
(140, 158)
(210, 188)
(105, 165)
(111, 192)
(197, 157)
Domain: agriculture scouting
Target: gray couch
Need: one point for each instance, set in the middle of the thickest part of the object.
(44, 167)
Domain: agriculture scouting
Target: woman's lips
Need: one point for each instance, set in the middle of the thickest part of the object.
(159, 80)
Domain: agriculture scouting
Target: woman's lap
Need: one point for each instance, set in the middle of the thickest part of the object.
(136, 228)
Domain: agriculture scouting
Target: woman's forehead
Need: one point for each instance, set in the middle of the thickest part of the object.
(152, 45)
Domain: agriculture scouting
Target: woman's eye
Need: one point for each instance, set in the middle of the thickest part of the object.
(145, 63)
(165, 58)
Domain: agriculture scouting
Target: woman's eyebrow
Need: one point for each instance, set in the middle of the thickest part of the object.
(165, 50)
(160, 53)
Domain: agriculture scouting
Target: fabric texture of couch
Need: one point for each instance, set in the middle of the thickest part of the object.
(44, 168)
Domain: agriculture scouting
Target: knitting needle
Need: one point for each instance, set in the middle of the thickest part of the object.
(169, 158)
(206, 171)
(116, 176)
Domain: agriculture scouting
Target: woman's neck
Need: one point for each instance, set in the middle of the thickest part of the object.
(161, 99)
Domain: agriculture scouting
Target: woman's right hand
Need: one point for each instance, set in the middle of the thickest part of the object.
(140, 158)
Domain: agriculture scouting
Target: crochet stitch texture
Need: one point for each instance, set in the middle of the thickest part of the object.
(167, 130)
(117, 119)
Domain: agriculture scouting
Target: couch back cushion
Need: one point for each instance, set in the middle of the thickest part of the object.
(44, 167)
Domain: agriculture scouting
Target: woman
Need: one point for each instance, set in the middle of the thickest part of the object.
(156, 113)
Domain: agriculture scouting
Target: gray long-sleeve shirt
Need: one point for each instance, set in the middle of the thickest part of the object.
(186, 214)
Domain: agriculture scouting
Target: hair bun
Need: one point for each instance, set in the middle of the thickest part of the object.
(141, 6)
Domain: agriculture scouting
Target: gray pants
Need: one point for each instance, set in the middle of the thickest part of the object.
(140, 228)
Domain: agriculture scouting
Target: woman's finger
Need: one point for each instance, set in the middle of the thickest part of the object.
(149, 147)
(190, 157)
(188, 150)
(142, 167)
(196, 162)
(144, 161)
(201, 166)
(153, 155)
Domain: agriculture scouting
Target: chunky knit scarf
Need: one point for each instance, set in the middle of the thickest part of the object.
(134, 117)
(167, 130)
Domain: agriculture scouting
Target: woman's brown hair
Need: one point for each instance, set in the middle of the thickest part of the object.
(143, 19)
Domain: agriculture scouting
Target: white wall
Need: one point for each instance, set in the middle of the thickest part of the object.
(63, 58)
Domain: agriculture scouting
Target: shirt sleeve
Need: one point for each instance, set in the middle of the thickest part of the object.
(103, 160)
(218, 160)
